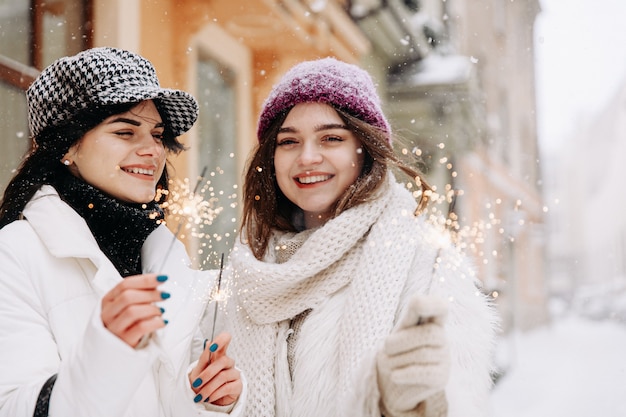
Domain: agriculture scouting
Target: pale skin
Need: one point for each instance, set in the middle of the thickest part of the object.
(316, 159)
(124, 157)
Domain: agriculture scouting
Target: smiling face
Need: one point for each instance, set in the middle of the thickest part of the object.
(316, 159)
(123, 156)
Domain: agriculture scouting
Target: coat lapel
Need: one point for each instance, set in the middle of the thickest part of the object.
(66, 235)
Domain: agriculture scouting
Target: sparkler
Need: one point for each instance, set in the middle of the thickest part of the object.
(196, 210)
(469, 238)
(437, 259)
(216, 300)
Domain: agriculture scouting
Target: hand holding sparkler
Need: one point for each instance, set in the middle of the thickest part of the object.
(215, 378)
(414, 364)
(129, 310)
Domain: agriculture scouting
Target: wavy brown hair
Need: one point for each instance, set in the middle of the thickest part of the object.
(266, 208)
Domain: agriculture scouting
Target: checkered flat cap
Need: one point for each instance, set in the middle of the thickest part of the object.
(103, 76)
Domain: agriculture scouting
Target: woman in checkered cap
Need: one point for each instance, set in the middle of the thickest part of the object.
(345, 301)
(92, 321)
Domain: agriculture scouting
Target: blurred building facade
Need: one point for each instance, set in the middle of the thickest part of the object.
(588, 229)
(459, 84)
(456, 78)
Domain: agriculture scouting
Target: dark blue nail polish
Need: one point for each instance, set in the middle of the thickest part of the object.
(204, 345)
(206, 400)
(197, 383)
(166, 321)
(197, 398)
(213, 347)
(161, 278)
(162, 310)
(165, 295)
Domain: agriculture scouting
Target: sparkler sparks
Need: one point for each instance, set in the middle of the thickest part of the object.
(188, 208)
(493, 216)
(205, 217)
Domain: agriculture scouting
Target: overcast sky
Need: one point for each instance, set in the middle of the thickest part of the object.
(581, 60)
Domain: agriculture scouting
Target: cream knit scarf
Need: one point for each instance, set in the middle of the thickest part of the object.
(363, 251)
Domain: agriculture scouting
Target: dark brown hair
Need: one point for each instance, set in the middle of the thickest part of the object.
(266, 208)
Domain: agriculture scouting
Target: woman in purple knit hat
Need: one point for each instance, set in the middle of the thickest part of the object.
(345, 301)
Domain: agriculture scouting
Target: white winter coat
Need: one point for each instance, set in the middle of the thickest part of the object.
(52, 279)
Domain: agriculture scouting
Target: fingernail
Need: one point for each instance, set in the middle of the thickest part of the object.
(166, 321)
(197, 398)
(204, 345)
(213, 347)
(197, 383)
(162, 310)
(165, 295)
(161, 278)
(206, 400)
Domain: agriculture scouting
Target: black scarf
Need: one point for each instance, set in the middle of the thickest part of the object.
(120, 228)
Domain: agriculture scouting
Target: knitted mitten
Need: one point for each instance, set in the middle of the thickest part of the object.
(414, 365)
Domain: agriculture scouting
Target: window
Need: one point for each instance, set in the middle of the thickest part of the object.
(33, 33)
(217, 144)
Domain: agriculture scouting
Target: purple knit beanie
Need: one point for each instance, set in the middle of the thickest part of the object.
(344, 86)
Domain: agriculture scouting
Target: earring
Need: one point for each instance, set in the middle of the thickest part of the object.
(67, 162)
